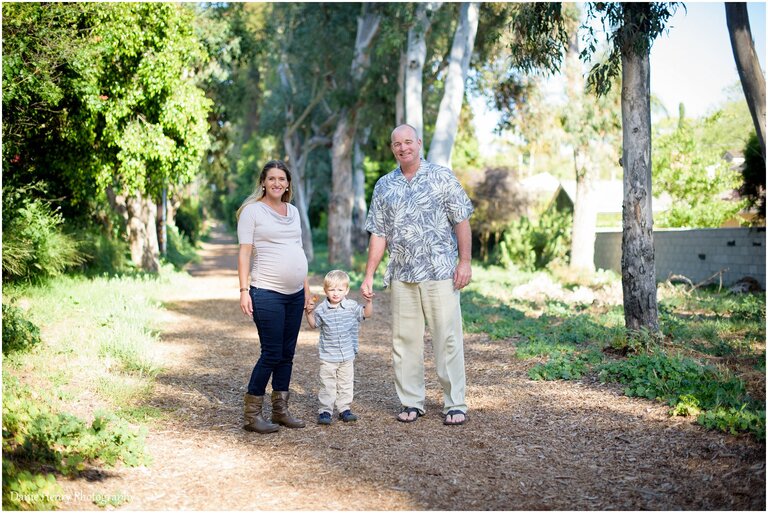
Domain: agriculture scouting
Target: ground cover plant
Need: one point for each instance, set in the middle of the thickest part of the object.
(709, 362)
(78, 364)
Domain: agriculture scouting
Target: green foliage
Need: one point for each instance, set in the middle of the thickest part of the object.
(180, 251)
(34, 246)
(542, 35)
(189, 219)
(695, 176)
(25, 490)
(735, 421)
(573, 365)
(575, 340)
(101, 96)
(662, 377)
(687, 406)
(104, 254)
(753, 174)
(19, 333)
(37, 438)
(630, 29)
(533, 246)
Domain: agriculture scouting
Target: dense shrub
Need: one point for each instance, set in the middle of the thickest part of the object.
(530, 245)
(180, 251)
(103, 254)
(34, 245)
(189, 219)
(19, 333)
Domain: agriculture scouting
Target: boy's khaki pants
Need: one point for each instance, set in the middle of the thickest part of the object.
(337, 386)
(437, 303)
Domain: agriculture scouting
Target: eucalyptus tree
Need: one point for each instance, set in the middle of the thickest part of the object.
(412, 61)
(748, 65)
(342, 199)
(447, 122)
(299, 108)
(635, 27)
(592, 125)
(233, 35)
(630, 29)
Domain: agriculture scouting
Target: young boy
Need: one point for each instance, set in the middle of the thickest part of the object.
(339, 319)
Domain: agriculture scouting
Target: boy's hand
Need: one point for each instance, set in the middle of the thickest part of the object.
(311, 305)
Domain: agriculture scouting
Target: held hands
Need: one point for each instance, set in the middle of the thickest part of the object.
(309, 307)
(366, 289)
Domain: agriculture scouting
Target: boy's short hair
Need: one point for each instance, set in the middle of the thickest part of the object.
(336, 277)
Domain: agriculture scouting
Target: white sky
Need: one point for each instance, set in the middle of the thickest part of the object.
(692, 63)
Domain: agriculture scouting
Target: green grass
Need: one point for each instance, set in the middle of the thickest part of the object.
(576, 340)
(98, 338)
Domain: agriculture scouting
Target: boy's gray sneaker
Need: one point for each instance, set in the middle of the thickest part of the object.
(347, 416)
(324, 418)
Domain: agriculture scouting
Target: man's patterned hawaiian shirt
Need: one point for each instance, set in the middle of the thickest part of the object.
(416, 218)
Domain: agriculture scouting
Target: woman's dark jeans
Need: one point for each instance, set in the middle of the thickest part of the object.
(278, 319)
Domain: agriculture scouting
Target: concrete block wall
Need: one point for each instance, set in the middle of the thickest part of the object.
(696, 254)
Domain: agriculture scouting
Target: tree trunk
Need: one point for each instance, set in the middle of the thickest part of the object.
(359, 207)
(297, 158)
(340, 202)
(752, 78)
(447, 123)
(342, 194)
(638, 268)
(416, 55)
(139, 214)
(584, 212)
(400, 97)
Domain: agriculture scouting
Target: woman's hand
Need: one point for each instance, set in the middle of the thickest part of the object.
(246, 305)
(309, 306)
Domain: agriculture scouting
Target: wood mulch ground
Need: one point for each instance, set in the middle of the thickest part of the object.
(529, 445)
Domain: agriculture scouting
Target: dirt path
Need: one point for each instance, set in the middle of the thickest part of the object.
(529, 445)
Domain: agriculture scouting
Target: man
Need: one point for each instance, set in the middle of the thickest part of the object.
(420, 214)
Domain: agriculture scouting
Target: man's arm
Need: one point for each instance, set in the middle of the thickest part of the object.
(376, 247)
(463, 273)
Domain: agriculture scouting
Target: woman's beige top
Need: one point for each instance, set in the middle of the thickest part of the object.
(278, 260)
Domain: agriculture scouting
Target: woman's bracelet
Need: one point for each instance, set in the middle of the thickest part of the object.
(243, 290)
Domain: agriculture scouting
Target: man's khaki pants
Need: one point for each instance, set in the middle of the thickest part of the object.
(437, 303)
(337, 386)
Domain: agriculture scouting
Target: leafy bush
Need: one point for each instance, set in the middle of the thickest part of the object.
(180, 251)
(533, 246)
(19, 333)
(24, 490)
(36, 438)
(34, 246)
(735, 420)
(103, 254)
(691, 389)
(566, 366)
(753, 173)
(659, 376)
(189, 219)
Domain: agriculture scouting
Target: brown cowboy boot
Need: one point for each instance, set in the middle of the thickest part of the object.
(280, 413)
(254, 420)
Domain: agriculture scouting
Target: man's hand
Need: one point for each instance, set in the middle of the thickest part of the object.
(366, 288)
(463, 275)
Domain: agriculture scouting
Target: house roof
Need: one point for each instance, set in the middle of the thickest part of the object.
(608, 196)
